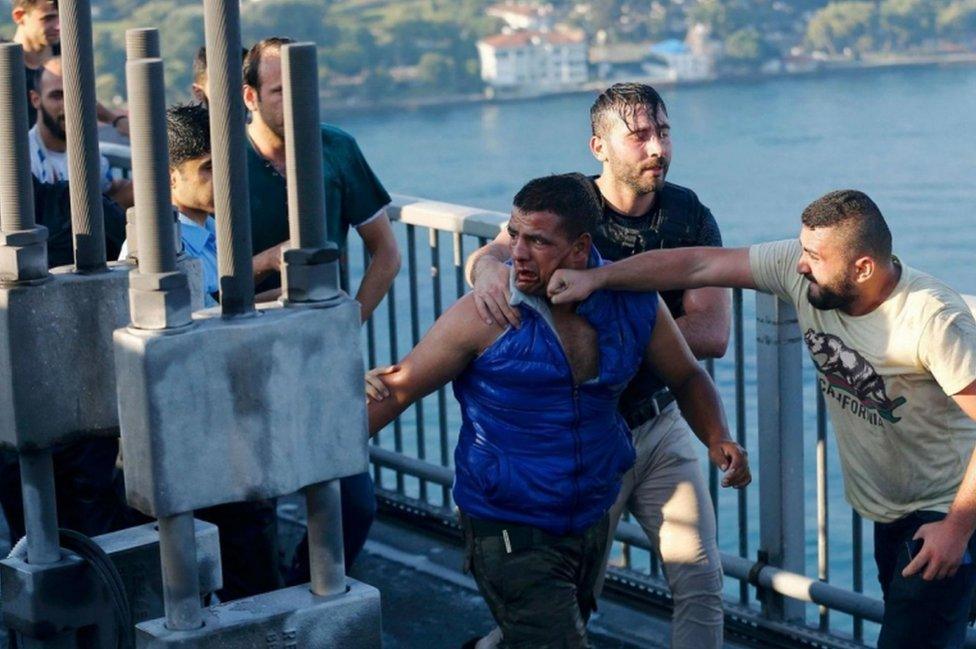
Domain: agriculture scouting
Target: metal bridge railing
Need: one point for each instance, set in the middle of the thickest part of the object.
(764, 385)
(413, 459)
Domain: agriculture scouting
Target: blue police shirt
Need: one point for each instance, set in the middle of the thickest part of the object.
(199, 242)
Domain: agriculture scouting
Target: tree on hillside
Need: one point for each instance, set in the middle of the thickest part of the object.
(180, 37)
(727, 16)
(842, 25)
(958, 21)
(109, 60)
(300, 20)
(712, 14)
(410, 39)
(604, 14)
(744, 46)
(181, 33)
(437, 70)
(907, 22)
(116, 9)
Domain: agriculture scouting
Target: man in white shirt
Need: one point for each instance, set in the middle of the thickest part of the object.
(48, 141)
(895, 351)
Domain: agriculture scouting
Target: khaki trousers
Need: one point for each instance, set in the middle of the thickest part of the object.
(667, 495)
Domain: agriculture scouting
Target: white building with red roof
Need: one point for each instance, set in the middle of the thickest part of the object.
(534, 61)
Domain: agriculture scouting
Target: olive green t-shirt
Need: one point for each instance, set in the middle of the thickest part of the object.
(353, 193)
(887, 378)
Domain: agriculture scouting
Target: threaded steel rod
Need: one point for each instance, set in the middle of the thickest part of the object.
(326, 557)
(303, 146)
(16, 193)
(40, 507)
(181, 574)
(141, 43)
(150, 165)
(223, 27)
(87, 219)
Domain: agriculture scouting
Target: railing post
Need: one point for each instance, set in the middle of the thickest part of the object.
(780, 399)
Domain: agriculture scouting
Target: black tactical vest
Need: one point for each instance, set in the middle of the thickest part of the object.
(676, 220)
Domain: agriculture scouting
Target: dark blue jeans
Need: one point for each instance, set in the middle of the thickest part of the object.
(358, 512)
(920, 614)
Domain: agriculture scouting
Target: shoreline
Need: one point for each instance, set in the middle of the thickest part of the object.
(824, 69)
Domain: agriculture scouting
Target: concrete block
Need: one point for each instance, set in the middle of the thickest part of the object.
(59, 599)
(51, 600)
(57, 375)
(135, 552)
(283, 619)
(238, 409)
(57, 371)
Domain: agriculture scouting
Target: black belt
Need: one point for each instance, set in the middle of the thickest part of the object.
(649, 408)
(515, 537)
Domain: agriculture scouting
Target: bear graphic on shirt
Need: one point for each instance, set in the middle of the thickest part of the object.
(846, 369)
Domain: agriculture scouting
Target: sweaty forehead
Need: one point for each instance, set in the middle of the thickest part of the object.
(535, 223)
(639, 118)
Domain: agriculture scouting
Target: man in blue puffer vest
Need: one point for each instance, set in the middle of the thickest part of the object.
(542, 446)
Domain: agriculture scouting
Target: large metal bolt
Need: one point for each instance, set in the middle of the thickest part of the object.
(310, 269)
(222, 20)
(159, 295)
(23, 253)
(87, 218)
(141, 43)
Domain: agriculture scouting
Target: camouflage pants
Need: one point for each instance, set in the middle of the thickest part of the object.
(541, 593)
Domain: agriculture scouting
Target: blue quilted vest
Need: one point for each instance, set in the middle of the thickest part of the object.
(535, 448)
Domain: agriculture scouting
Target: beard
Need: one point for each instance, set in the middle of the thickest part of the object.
(633, 175)
(275, 122)
(827, 299)
(53, 124)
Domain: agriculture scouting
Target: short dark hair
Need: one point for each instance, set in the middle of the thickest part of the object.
(850, 208)
(252, 60)
(187, 133)
(200, 64)
(27, 5)
(571, 197)
(625, 100)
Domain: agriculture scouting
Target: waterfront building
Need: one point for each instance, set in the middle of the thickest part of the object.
(534, 62)
(674, 60)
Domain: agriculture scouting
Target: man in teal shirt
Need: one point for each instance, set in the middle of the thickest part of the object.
(354, 197)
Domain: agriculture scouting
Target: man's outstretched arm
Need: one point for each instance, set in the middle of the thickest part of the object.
(705, 321)
(443, 353)
(680, 268)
